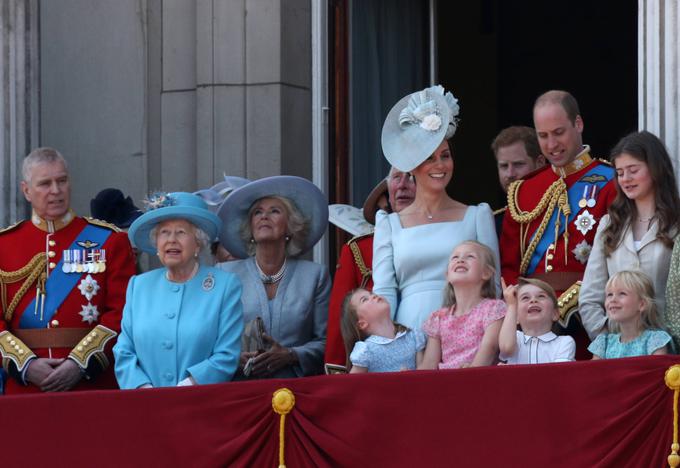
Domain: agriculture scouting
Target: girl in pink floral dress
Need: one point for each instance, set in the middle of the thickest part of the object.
(464, 333)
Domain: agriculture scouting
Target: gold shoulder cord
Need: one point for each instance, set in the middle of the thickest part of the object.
(99, 222)
(554, 196)
(34, 270)
(359, 260)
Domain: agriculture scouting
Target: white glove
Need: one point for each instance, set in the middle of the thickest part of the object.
(188, 382)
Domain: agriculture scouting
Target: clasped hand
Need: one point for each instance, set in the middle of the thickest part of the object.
(268, 362)
(53, 375)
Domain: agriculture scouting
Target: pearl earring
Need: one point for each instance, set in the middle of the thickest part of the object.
(287, 238)
(252, 240)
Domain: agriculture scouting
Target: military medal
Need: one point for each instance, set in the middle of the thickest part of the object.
(77, 260)
(66, 266)
(582, 251)
(102, 260)
(585, 222)
(88, 287)
(591, 200)
(208, 282)
(583, 202)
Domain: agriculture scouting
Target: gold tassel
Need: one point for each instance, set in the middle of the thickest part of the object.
(672, 379)
(283, 402)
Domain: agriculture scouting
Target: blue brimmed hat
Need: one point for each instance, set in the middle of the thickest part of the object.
(417, 125)
(307, 197)
(162, 206)
(215, 195)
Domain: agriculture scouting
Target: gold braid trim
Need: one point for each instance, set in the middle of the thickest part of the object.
(92, 344)
(359, 260)
(554, 196)
(34, 270)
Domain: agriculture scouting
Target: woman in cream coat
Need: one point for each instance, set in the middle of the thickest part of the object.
(638, 232)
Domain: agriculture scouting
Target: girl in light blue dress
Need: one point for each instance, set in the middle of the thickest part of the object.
(374, 343)
(635, 329)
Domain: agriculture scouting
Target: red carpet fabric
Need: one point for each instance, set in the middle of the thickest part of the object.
(615, 413)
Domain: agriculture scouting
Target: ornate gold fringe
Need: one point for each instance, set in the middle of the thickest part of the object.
(672, 379)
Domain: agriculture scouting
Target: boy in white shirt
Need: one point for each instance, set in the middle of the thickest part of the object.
(533, 304)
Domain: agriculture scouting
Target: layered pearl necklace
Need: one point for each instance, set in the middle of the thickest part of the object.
(271, 279)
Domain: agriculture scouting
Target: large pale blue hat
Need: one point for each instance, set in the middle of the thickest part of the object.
(162, 206)
(215, 195)
(306, 196)
(417, 125)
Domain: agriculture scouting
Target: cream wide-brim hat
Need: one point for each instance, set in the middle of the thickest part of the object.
(306, 196)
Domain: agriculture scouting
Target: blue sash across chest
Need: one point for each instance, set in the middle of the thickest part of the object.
(59, 284)
(574, 194)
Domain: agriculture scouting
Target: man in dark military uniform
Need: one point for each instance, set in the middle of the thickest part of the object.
(63, 280)
(552, 216)
(356, 257)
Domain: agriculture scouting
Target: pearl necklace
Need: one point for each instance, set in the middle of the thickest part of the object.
(271, 279)
(193, 273)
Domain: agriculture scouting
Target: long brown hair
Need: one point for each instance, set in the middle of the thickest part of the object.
(349, 325)
(645, 147)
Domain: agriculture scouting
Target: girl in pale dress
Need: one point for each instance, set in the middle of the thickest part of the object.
(373, 342)
(464, 333)
(635, 328)
(410, 248)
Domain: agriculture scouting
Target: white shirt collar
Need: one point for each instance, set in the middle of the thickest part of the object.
(384, 340)
(546, 337)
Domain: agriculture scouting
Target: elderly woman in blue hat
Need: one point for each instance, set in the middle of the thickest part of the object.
(411, 248)
(181, 323)
(270, 223)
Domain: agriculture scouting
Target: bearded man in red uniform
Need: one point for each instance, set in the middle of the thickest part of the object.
(354, 266)
(63, 280)
(552, 216)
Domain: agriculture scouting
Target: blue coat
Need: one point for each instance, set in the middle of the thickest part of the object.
(299, 311)
(170, 330)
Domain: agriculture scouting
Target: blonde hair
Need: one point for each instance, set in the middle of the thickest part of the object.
(298, 227)
(641, 285)
(488, 290)
(349, 325)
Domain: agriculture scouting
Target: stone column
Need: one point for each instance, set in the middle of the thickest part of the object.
(658, 72)
(19, 71)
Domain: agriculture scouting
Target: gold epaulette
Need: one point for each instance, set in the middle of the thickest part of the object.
(359, 237)
(567, 303)
(10, 227)
(13, 349)
(93, 344)
(359, 260)
(500, 210)
(605, 161)
(104, 224)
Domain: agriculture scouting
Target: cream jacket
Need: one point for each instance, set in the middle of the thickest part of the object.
(653, 258)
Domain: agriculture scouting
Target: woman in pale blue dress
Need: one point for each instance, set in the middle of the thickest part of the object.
(411, 249)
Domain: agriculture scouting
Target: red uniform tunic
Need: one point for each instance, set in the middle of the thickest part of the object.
(530, 192)
(18, 246)
(348, 276)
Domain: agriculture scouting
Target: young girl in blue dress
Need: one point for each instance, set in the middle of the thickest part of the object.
(374, 343)
(635, 329)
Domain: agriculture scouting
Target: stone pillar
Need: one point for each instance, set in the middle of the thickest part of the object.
(658, 72)
(19, 72)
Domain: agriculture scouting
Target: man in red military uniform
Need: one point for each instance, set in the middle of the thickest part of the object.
(356, 257)
(63, 281)
(552, 216)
